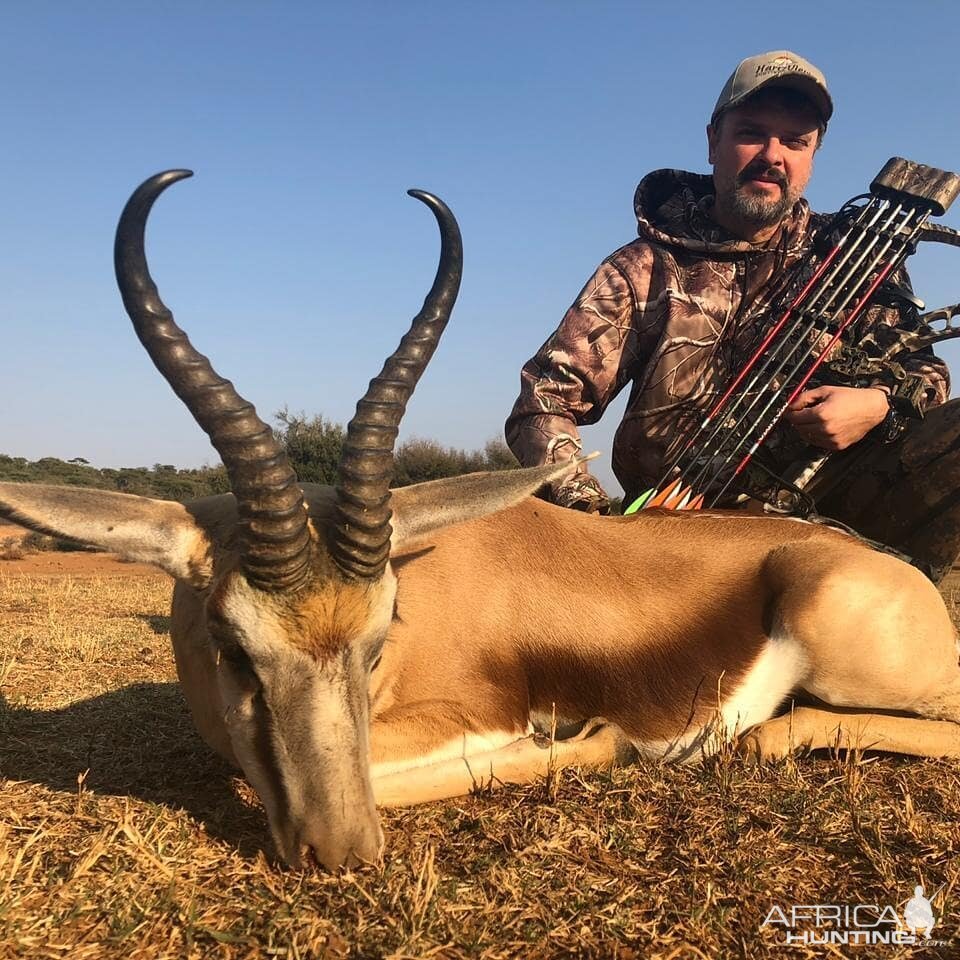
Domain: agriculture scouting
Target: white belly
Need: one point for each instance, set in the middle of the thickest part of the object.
(778, 669)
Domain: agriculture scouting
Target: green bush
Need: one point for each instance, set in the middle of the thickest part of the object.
(313, 446)
(163, 481)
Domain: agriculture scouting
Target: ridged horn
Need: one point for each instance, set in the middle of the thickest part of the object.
(275, 540)
(361, 540)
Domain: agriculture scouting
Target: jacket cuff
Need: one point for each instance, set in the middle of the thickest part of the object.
(582, 492)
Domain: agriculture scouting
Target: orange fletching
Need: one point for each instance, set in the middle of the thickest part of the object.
(660, 500)
(675, 502)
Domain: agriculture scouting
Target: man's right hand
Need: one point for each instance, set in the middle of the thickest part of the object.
(834, 418)
(582, 492)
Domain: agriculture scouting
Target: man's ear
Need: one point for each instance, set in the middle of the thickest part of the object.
(159, 532)
(713, 135)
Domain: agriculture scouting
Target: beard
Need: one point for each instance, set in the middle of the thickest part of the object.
(757, 211)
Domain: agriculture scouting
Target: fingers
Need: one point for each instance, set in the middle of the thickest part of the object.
(810, 398)
(819, 432)
(807, 416)
(812, 426)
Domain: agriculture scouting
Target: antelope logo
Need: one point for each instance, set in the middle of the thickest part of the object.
(358, 645)
(918, 913)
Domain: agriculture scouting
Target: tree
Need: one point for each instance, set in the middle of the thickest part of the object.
(498, 456)
(313, 445)
(417, 460)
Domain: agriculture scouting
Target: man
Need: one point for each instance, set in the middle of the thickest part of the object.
(674, 313)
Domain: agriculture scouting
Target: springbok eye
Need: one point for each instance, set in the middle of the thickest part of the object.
(375, 656)
(234, 656)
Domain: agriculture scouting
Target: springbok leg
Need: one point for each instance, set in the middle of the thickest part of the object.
(819, 728)
(600, 744)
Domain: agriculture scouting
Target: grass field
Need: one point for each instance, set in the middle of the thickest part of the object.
(121, 835)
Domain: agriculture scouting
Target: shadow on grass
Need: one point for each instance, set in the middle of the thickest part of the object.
(158, 625)
(138, 742)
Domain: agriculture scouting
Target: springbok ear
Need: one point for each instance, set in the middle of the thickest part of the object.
(423, 508)
(150, 531)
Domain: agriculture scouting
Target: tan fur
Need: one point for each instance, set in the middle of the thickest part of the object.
(530, 615)
(326, 619)
(628, 619)
(646, 621)
(808, 728)
(598, 744)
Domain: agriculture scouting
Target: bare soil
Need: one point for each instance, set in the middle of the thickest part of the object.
(51, 563)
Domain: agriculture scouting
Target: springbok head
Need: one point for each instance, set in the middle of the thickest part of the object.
(299, 621)
(297, 597)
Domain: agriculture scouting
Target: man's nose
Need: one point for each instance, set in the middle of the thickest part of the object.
(772, 152)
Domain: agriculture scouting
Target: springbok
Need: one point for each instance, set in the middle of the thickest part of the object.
(354, 645)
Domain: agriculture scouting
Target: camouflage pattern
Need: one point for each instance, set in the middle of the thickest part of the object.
(904, 179)
(674, 314)
(904, 494)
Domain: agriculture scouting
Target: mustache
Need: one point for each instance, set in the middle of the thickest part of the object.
(756, 170)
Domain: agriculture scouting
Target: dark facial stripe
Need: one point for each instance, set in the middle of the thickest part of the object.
(264, 749)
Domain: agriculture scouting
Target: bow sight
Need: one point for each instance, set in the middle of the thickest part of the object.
(850, 265)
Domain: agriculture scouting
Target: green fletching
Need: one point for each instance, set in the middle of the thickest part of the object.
(638, 504)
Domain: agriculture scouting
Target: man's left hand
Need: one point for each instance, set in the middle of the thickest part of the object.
(834, 418)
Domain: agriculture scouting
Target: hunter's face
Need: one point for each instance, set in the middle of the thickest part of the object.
(762, 156)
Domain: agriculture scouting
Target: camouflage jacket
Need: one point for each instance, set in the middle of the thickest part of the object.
(667, 313)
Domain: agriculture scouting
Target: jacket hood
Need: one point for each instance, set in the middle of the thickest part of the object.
(673, 207)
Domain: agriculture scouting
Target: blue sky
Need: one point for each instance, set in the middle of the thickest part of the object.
(294, 257)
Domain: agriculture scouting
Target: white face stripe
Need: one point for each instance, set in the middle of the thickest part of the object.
(317, 744)
(381, 612)
(262, 635)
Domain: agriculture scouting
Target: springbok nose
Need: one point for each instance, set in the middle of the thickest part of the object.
(355, 846)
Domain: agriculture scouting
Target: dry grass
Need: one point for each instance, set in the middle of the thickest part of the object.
(11, 548)
(120, 834)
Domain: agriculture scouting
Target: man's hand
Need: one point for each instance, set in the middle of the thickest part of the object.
(834, 418)
(582, 492)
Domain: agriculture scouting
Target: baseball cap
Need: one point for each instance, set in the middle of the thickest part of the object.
(778, 68)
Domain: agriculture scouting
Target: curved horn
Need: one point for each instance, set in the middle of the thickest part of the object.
(361, 539)
(275, 549)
